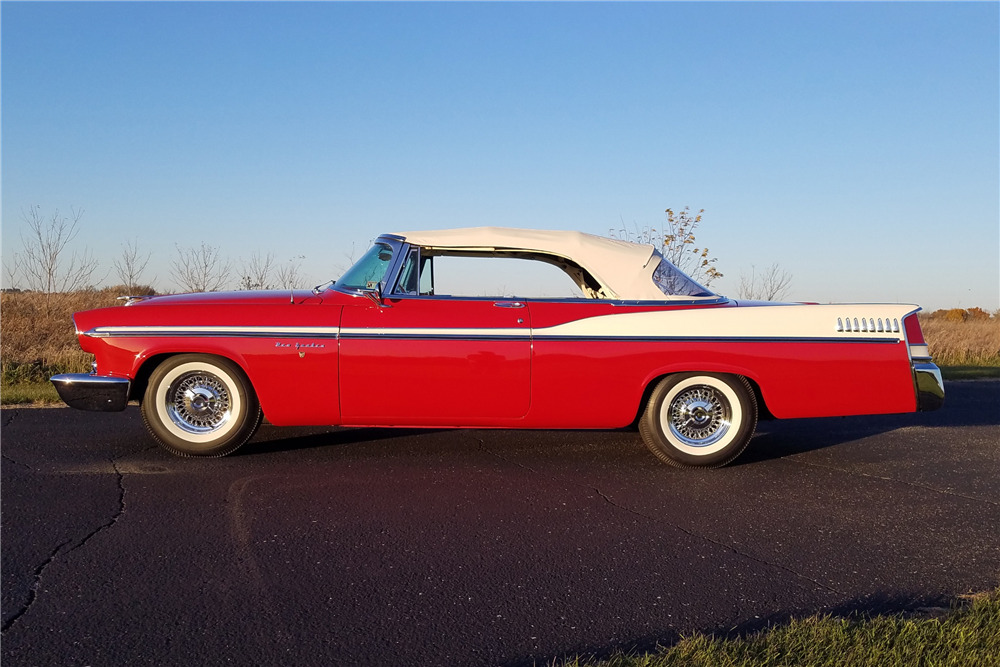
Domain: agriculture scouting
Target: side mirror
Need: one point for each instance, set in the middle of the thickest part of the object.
(373, 290)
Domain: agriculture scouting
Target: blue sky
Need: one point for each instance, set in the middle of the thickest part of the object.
(855, 144)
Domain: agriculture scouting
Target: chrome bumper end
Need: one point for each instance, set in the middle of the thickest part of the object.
(930, 386)
(100, 393)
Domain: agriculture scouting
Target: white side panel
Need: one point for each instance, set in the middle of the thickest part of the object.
(879, 321)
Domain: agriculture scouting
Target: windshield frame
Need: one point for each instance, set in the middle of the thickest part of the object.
(391, 268)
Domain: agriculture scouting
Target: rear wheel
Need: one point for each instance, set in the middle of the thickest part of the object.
(200, 405)
(699, 419)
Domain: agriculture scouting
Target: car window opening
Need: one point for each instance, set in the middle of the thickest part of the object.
(417, 277)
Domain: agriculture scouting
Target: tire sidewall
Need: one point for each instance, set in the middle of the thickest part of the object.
(244, 409)
(667, 446)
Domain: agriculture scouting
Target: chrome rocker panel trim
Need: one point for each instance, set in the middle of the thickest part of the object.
(930, 386)
(97, 393)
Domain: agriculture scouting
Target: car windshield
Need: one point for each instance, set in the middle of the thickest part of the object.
(370, 270)
(674, 282)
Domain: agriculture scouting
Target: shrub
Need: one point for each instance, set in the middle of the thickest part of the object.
(955, 315)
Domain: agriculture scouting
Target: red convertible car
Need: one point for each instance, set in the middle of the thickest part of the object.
(409, 337)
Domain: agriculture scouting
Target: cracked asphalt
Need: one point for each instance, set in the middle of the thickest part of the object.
(382, 547)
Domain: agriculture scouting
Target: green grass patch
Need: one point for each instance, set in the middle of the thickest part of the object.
(39, 393)
(970, 372)
(968, 636)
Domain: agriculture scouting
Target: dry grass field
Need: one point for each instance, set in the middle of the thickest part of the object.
(37, 337)
(963, 337)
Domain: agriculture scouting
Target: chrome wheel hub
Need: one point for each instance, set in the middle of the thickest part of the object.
(699, 416)
(199, 403)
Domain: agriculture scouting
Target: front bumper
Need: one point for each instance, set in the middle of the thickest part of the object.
(930, 386)
(101, 393)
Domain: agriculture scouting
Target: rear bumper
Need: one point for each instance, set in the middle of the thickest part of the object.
(101, 393)
(930, 386)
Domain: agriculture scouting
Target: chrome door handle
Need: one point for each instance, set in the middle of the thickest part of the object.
(509, 304)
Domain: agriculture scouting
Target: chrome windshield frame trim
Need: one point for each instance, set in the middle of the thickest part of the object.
(91, 392)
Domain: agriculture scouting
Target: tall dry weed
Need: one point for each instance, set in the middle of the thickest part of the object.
(37, 337)
(957, 342)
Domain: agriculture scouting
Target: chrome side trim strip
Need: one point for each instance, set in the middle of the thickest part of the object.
(225, 331)
(669, 303)
(334, 333)
(715, 339)
(504, 334)
(439, 336)
(438, 332)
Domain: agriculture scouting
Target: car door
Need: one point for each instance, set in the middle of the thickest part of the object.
(587, 370)
(434, 361)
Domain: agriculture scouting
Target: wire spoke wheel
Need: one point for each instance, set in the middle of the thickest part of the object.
(200, 405)
(699, 416)
(699, 419)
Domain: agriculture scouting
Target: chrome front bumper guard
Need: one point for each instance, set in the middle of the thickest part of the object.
(929, 385)
(100, 393)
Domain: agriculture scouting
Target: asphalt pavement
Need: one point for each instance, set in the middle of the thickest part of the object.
(325, 546)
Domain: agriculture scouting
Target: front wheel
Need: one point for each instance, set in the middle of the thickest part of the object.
(200, 405)
(699, 419)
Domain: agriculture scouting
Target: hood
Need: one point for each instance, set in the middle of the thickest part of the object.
(196, 308)
(242, 298)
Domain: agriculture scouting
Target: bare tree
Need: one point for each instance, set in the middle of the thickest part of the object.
(200, 269)
(288, 275)
(771, 284)
(12, 270)
(44, 262)
(255, 273)
(676, 242)
(131, 264)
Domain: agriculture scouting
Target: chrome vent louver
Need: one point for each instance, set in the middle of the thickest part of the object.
(867, 325)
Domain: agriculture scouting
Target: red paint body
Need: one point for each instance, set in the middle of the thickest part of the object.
(402, 363)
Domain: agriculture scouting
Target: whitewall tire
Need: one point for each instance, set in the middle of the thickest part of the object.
(699, 419)
(200, 405)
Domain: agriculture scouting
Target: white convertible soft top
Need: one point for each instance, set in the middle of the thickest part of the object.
(623, 268)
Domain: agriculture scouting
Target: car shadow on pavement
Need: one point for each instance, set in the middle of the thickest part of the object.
(285, 439)
(967, 404)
